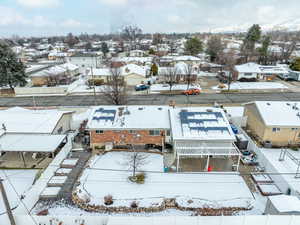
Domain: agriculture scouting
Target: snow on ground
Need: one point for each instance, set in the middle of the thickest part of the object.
(80, 86)
(253, 85)
(205, 190)
(21, 180)
(156, 88)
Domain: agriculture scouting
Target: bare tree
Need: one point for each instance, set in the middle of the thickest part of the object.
(189, 74)
(131, 33)
(288, 45)
(170, 76)
(115, 91)
(229, 59)
(135, 160)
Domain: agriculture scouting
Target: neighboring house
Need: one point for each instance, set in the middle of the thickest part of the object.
(136, 53)
(33, 131)
(253, 71)
(55, 55)
(182, 72)
(85, 61)
(275, 122)
(52, 76)
(134, 74)
(128, 125)
(140, 61)
(202, 132)
(131, 73)
(99, 76)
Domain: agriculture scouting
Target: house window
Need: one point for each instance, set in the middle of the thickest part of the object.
(132, 131)
(99, 131)
(294, 129)
(168, 133)
(248, 74)
(154, 132)
(276, 129)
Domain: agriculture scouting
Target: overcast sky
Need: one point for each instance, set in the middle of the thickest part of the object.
(55, 17)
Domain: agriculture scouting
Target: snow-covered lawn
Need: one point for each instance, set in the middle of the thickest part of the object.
(253, 85)
(80, 86)
(190, 190)
(156, 88)
(21, 180)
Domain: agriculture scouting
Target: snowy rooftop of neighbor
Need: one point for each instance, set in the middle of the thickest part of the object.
(20, 120)
(275, 113)
(130, 59)
(233, 111)
(285, 203)
(256, 68)
(129, 117)
(30, 142)
(200, 123)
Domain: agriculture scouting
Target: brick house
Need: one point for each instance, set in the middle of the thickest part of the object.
(137, 125)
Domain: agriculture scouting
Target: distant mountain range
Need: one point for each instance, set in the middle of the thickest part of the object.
(288, 25)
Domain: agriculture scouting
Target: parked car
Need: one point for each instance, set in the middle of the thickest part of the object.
(141, 87)
(191, 91)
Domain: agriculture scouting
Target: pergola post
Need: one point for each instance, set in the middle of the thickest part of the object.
(238, 164)
(177, 167)
(207, 163)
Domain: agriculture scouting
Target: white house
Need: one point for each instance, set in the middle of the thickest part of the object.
(202, 132)
(255, 71)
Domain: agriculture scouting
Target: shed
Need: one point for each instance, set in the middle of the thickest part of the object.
(283, 205)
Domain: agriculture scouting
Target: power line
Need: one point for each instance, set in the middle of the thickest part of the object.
(20, 199)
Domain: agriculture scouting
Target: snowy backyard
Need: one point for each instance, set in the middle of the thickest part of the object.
(21, 180)
(252, 86)
(108, 175)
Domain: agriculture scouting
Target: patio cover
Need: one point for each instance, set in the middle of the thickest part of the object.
(30, 142)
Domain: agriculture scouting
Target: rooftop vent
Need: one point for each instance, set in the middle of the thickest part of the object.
(288, 104)
(209, 110)
(268, 103)
(160, 108)
(140, 108)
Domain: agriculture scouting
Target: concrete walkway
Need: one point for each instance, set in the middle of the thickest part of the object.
(66, 191)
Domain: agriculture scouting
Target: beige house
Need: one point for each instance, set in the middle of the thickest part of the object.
(276, 122)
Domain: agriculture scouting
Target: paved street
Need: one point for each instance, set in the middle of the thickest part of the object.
(149, 99)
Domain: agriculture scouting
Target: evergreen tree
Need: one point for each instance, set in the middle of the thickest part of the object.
(193, 46)
(154, 70)
(253, 36)
(295, 65)
(104, 48)
(12, 70)
(264, 50)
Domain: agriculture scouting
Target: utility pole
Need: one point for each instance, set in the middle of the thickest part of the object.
(95, 102)
(6, 203)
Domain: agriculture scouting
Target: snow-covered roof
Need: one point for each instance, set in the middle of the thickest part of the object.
(285, 203)
(129, 117)
(256, 68)
(69, 66)
(131, 59)
(186, 58)
(200, 123)
(279, 113)
(30, 142)
(20, 120)
(133, 69)
(99, 72)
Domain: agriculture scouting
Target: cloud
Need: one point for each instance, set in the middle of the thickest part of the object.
(114, 2)
(71, 23)
(39, 3)
(10, 16)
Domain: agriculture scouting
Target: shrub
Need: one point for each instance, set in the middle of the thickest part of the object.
(108, 200)
(134, 204)
(140, 178)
